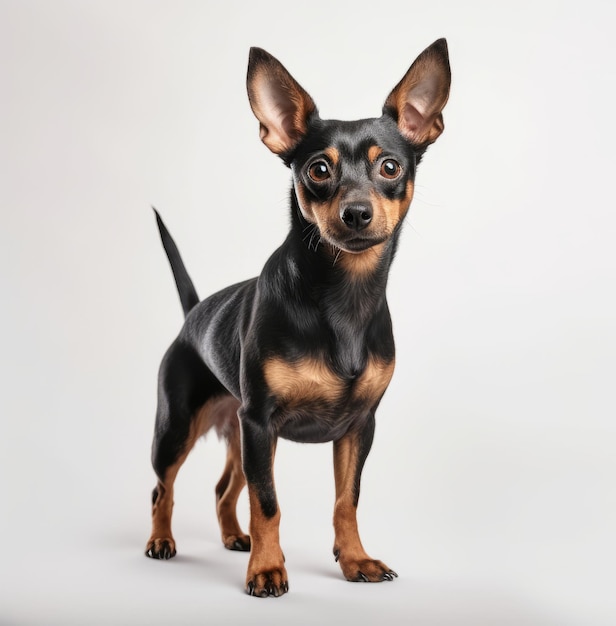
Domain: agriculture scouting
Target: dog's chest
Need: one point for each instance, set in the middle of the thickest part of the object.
(314, 402)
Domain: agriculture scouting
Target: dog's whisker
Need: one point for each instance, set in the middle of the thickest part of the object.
(337, 257)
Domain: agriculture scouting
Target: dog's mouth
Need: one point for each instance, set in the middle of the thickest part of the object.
(353, 242)
(356, 245)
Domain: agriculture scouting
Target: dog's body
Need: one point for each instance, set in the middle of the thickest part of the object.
(304, 351)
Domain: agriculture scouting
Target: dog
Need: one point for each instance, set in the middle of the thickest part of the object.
(305, 350)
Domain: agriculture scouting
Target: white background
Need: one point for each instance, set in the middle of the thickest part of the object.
(490, 487)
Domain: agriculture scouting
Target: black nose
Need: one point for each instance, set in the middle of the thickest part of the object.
(357, 216)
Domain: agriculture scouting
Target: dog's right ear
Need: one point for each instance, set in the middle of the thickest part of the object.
(281, 105)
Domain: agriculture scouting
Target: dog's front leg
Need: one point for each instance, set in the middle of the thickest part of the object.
(266, 574)
(350, 454)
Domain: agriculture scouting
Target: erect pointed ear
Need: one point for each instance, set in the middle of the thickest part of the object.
(278, 101)
(417, 100)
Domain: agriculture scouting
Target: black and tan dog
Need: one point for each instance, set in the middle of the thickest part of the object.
(304, 351)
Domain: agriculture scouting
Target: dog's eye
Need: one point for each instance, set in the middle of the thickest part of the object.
(319, 171)
(390, 169)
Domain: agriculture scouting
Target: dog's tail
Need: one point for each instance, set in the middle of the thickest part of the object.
(186, 289)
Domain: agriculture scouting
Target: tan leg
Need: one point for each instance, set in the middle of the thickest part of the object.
(228, 490)
(349, 456)
(214, 412)
(266, 574)
(161, 544)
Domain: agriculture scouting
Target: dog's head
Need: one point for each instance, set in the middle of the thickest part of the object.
(353, 180)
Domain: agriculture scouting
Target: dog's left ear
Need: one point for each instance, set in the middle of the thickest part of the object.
(417, 101)
(279, 102)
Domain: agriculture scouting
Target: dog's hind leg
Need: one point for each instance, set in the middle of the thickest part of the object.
(188, 399)
(229, 487)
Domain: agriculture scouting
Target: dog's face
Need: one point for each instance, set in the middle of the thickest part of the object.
(353, 180)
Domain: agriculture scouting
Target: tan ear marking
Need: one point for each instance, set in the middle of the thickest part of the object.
(278, 101)
(418, 99)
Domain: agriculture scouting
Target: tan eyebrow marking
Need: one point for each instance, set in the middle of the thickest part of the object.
(332, 154)
(374, 152)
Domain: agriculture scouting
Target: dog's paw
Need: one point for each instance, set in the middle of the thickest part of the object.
(161, 548)
(365, 570)
(272, 582)
(237, 542)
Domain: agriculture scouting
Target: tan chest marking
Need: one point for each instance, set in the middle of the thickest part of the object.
(301, 381)
(309, 380)
(375, 379)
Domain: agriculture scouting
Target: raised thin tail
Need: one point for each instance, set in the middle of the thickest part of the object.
(186, 289)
